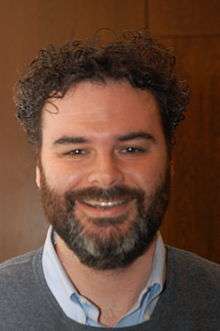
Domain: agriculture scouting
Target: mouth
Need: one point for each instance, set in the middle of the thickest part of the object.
(104, 208)
(105, 204)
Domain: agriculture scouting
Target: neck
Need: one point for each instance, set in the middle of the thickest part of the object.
(104, 288)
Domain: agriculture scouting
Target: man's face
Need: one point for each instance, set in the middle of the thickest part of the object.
(104, 172)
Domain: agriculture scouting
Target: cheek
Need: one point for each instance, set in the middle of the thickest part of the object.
(147, 175)
(64, 182)
(61, 177)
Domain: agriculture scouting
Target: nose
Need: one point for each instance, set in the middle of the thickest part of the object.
(105, 172)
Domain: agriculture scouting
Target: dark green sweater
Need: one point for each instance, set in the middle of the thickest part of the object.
(189, 301)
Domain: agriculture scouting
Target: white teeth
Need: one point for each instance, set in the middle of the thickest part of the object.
(104, 203)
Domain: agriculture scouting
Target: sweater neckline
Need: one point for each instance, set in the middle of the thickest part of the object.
(56, 309)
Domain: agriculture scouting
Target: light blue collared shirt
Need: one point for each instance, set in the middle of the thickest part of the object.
(80, 309)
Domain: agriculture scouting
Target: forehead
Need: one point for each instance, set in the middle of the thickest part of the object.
(101, 108)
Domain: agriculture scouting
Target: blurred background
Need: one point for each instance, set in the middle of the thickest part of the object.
(192, 29)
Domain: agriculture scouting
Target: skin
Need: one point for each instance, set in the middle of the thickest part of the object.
(101, 114)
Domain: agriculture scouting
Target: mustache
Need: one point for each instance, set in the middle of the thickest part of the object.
(112, 193)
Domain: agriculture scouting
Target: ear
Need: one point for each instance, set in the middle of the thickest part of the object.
(38, 177)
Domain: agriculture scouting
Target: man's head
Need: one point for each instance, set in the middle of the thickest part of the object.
(103, 120)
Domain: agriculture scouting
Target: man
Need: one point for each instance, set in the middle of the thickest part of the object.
(102, 119)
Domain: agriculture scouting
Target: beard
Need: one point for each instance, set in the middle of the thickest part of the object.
(109, 247)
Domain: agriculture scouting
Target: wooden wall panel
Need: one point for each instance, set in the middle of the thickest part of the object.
(184, 18)
(84, 17)
(27, 26)
(193, 30)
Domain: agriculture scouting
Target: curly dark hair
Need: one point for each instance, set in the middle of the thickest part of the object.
(135, 57)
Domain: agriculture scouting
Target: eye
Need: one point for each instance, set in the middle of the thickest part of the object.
(77, 152)
(133, 150)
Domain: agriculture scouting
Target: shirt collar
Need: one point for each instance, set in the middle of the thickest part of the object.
(156, 279)
(157, 275)
(56, 277)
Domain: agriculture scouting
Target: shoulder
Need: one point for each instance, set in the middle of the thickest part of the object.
(18, 270)
(18, 287)
(191, 295)
(193, 269)
(25, 301)
(18, 262)
(192, 260)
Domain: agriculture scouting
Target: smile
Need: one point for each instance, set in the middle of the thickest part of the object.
(104, 203)
(103, 208)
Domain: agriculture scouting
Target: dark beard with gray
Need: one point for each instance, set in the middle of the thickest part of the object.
(117, 249)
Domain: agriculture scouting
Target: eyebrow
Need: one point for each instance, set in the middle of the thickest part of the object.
(67, 140)
(136, 135)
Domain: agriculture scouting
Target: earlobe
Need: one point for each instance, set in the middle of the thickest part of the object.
(37, 177)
